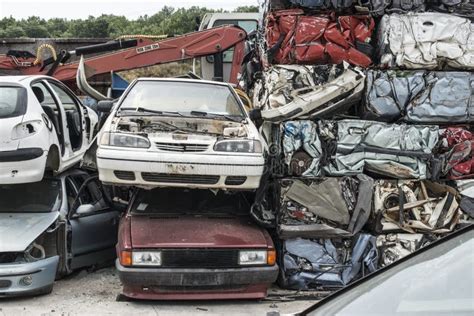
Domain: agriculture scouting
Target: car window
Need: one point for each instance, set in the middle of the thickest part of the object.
(69, 103)
(12, 101)
(47, 98)
(182, 97)
(191, 201)
(91, 194)
(437, 281)
(247, 25)
(38, 197)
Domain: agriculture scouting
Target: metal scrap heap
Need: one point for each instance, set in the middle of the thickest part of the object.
(367, 108)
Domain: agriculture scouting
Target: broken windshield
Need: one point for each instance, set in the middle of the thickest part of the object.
(182, 97)
(38, 197)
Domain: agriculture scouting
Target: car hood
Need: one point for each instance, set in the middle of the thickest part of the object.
(18, 231)
(195, 232)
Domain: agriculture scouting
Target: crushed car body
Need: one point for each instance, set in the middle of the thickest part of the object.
(327, 263)
(180, 132)
(299, 91)
(426, 41)
(350, 147)
(295, 38)
(324, 208)
(415, 206)
(43, 126)
(419, 96)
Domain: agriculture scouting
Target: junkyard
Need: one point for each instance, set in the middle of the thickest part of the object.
(268, 157)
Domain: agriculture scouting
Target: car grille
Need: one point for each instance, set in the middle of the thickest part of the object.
(5, 284)
(200, 258)
(8, 257)
(125, 175)
(179, 178)
(182, 147)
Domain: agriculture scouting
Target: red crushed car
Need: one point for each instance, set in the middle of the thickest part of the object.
(293, 37)
(193, 244)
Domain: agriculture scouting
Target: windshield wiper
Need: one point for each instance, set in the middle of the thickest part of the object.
(215, 115)
(144, 110)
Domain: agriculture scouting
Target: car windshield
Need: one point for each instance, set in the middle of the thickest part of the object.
(182, 97)
(12, 101)
(437, 281)
(177, 201)
(38, 197)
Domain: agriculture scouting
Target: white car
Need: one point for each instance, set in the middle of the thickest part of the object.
(43, 126)
(180, 133)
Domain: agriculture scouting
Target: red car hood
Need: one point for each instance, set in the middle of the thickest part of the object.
(196, 232)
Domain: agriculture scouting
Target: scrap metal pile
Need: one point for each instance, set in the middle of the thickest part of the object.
(368, 111)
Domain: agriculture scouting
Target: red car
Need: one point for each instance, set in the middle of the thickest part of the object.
(193, 244)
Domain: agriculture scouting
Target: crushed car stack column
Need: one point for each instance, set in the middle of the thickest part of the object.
(356, 106)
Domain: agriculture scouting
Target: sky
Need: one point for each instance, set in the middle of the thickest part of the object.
(132, 9)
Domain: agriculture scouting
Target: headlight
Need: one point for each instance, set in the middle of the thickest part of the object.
(251, 257)
(146, 258)
(26, 129)
(239, 146)
(124, 140)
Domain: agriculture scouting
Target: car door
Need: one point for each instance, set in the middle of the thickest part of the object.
(74, 115)
(93, 232)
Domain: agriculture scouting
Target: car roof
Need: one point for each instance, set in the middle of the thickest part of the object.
(219, 83)
(22, 79)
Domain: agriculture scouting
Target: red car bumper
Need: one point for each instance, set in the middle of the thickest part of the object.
(196, 284)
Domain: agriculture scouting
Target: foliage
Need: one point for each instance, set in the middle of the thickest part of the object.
(168, 20)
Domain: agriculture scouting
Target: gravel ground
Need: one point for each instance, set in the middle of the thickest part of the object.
(95, 294)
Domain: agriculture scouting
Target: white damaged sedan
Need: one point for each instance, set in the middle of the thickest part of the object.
(180, 133)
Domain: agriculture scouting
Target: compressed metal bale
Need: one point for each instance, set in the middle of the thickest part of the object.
(426, 40)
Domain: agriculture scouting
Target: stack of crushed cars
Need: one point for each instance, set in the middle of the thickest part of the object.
(368, 110)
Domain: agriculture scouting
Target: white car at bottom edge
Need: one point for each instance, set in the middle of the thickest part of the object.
(179, 133)
(43, 126)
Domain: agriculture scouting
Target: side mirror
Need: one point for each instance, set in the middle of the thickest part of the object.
(105, 106)
(85, 209)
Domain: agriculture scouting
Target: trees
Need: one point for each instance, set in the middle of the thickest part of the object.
(168, 20)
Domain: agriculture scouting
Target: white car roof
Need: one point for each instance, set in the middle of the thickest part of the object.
(22, 79)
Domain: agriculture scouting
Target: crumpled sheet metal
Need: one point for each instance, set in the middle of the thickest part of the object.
(466, 189)
(296, 91)
(395, 150)
(324, 4)
(326, 208)
(326, 263)
(426, 41)
(419, 96)
(393, 247)
(293, 37)
(415, 207)
(302, 136)
(458, 143)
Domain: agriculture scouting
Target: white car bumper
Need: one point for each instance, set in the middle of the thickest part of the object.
(154, 169)
(22, 166)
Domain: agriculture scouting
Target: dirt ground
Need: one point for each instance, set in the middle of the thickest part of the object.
(95, 293)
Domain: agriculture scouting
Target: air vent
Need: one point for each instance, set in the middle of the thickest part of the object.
(179, 178)
(125, 175)
(235, 180)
